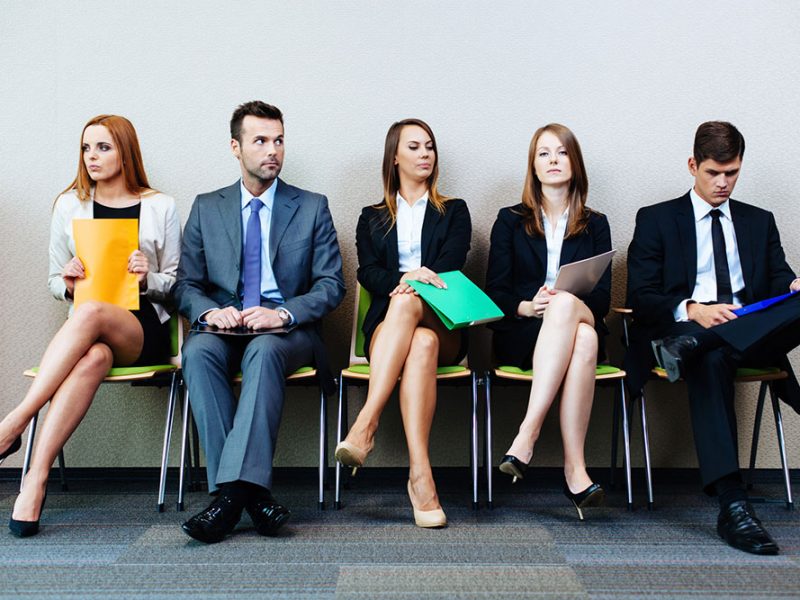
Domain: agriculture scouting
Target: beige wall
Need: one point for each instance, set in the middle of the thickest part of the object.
(632, 79)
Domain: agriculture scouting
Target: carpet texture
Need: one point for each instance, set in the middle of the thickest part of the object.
(104, 539)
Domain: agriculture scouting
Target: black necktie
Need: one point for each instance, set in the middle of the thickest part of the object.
(724, 292)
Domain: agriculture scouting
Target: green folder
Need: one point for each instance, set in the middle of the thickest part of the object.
(462, 304)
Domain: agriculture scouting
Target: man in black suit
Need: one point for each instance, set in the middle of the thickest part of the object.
(692, 262)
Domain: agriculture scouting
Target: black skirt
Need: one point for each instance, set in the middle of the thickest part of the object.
(157, 340)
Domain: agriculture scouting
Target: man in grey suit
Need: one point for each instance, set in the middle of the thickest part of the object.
(258, 254)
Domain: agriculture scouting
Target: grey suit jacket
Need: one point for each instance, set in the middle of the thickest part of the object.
(303, 249)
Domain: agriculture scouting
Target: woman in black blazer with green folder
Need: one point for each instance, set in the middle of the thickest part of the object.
(413, 234)
(557, 333)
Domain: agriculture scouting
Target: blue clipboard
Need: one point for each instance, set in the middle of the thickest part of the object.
(757, 306)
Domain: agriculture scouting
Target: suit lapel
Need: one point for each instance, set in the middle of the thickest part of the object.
(392, 257)
(744, 245)
(230, 216)
(429, 224)
(684, 220)
(538, 245)
(283, 210)
(569, 248)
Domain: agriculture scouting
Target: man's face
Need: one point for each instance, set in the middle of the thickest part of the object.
(260, 152)
(713, 181)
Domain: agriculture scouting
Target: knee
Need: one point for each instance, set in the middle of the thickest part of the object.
(585, 343)
(98, 358)
(424, 344)
(202, 349)
(563, 306)
(405, 305)
(89, 312)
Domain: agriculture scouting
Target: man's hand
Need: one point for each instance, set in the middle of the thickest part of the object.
(709, 315)
(795, 286)
(259, 317)
(224, 318)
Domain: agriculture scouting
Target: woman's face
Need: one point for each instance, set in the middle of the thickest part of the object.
(100, 154)
(551, 164)
(415, 156)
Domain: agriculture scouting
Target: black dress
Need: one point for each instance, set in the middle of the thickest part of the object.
(156, 349)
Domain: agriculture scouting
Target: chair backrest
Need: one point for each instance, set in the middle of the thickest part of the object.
(358, 354)
(176, 339)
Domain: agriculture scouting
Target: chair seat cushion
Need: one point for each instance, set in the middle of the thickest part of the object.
(601, 370)
(364, 369)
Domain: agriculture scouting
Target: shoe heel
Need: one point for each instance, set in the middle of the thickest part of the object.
(353, 471)
(578, 508)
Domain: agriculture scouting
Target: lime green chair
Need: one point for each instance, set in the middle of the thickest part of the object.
(357, 373)
(150, 375)
(304, 376)
(766, 377)
(604, 375)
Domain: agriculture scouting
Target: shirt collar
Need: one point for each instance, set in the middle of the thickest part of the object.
(421, 202)
(267, 197)
(702, 208)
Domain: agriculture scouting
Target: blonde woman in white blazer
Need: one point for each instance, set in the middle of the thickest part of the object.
(111, 183)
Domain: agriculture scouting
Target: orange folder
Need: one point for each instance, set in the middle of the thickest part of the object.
(103, 246)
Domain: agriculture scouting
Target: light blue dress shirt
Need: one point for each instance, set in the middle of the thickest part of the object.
(269, 286)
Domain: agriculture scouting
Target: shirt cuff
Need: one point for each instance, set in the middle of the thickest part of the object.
(292, 320)
(680, 313)
(201, 320)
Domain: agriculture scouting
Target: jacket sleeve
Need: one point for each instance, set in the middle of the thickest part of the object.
(192, 274)
(780, 273)
(161, 277)
(372, 273)
(327, 282)
(646, 272)
(453, 253)
(60, 253)
(599, 300)
(500, 270)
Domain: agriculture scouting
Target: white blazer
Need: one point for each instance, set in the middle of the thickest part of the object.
(159, 240)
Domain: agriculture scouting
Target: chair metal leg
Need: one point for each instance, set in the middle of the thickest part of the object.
(646, 442)
(488, 438)
(26, 462)
(473, 446)
(340, 425)
(62, 471)
(323, 445)
(627, 442)
(162, 480)
(614, 446)
(184, 439)
(776, 410)
(762, 395)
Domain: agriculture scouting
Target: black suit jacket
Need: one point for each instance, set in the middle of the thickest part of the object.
(518, 266)
(662, 269)
(445, 243)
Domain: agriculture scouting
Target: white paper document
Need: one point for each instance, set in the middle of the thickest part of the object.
(579, 278)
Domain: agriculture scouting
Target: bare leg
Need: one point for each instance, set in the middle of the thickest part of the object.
(418, 405)
(67, 409)
(577, 396)
(551, 358)
(388, 351)
(92, 322)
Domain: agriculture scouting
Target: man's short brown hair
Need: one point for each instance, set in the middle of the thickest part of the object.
(718, 140)
(256, 108)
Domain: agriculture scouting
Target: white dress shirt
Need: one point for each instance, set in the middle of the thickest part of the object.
(269, 286)
(705, 287)
(555, 239)
(409, 232)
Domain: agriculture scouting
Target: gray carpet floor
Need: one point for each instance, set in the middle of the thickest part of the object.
(104, 539)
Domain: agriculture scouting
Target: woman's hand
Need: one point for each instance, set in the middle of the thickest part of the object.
(536, 306)
(425, 275)
(72, 270)
(138, 263)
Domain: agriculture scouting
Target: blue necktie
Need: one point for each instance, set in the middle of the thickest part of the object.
(252, 257)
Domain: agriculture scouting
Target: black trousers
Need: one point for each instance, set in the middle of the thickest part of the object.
(759, 340)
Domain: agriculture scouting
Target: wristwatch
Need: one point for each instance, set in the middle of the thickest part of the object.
(285, 316)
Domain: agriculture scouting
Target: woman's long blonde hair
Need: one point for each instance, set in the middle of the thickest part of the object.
(391, 178)
(532, 197)
(124, 136)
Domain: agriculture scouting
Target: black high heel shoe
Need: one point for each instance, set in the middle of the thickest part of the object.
(591, 496)
(511, 465)
(23, 529)
(15, 445)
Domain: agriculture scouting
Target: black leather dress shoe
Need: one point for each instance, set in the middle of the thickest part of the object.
(215, 522)
(739, 527)
(672, 352)
(268, 514)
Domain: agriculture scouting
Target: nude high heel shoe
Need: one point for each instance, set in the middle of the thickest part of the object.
(350, 455)
(427, 518)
